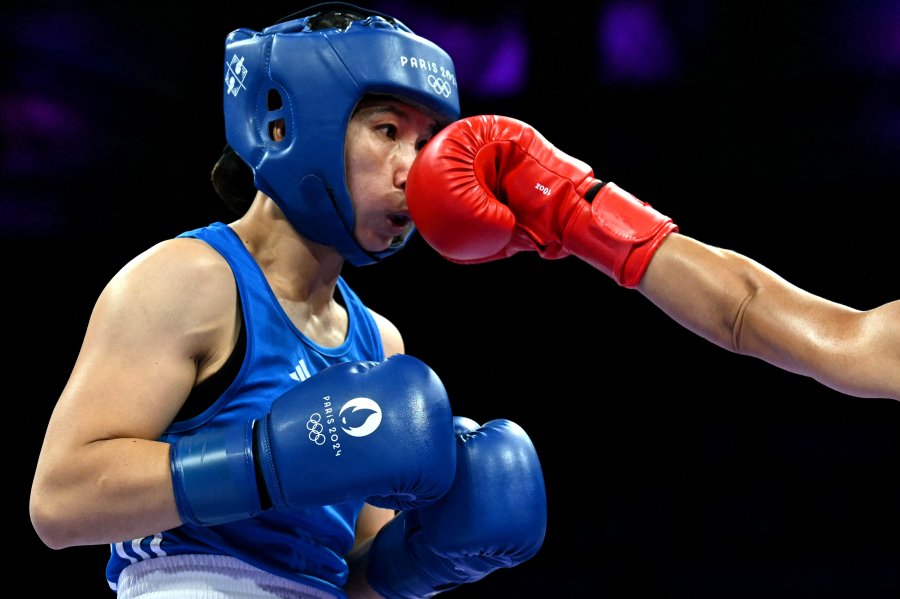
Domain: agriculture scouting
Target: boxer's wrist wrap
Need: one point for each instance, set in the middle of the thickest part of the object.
(214, 476)
(617, 233)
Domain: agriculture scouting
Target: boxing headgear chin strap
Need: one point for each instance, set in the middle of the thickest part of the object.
(312, 81)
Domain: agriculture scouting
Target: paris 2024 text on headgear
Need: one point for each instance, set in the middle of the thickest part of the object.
(311, 80)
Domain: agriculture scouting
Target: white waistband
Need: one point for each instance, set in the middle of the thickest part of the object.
(208, 577)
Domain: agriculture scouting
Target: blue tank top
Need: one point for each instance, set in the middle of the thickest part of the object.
(305, 545)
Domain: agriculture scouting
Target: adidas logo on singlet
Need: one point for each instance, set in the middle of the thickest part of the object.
(300, 372)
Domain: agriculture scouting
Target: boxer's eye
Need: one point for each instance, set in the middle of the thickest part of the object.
(389, 130)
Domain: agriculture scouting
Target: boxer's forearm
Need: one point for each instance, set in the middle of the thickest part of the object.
(743, 306)
(107, 491)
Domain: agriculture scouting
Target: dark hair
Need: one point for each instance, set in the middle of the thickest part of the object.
(231, 177)
(334, 15)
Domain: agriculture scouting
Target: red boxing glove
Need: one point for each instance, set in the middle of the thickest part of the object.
(487, 187)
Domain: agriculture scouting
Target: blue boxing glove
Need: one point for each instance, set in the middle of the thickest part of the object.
(494, 516)
(379, 431)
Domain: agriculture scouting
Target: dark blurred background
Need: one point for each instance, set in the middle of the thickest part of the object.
(674, 469)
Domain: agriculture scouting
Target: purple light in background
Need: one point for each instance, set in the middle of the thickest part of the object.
(30, 213)
(863, 39)
(34, 115)
(634, 43)
(41, 139)
(82, 37)
(506, 69)
(40, 133)
(868, 32)
(491, 59)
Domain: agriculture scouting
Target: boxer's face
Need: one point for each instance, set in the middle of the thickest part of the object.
(383, 137)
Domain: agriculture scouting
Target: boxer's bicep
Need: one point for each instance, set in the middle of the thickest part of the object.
(137, 364)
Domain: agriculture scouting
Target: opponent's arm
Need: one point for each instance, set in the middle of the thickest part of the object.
(740, 305)
(101, 477)
(488, 187)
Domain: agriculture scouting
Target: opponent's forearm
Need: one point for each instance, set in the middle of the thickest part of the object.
(113, 490)
(744, 307)
(699, 286)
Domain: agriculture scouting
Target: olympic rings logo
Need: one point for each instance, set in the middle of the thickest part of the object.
(314, 425)
(439, 86)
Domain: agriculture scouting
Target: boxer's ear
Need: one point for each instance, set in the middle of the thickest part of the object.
(277, 130)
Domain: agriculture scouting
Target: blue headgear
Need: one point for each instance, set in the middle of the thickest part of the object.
(313, 80)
